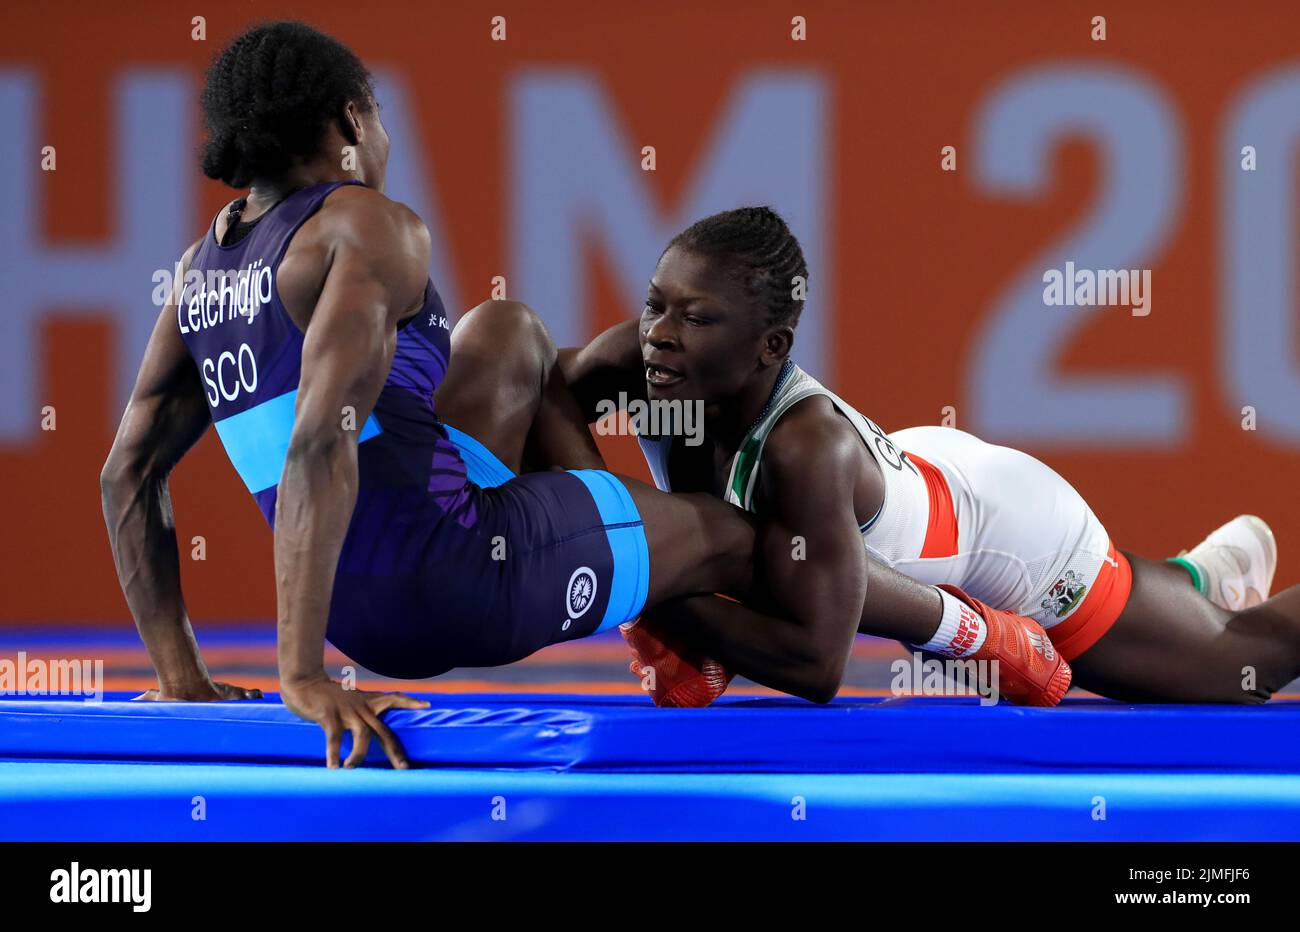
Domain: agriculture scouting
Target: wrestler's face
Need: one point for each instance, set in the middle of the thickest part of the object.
(702, 339)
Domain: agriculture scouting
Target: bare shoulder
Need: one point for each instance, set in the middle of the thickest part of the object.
(811, 439)
(813, 464)
(361, 215)
(188, 255)
(182, 266)
(361, 237)
(361, 233)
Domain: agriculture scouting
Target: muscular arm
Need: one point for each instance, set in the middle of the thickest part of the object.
(165, 416)
(812, 561)
(379, 254)
(608, 365)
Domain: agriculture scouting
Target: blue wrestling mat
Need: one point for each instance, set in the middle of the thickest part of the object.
(555, 767)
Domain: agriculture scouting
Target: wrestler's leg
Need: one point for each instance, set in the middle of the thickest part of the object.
(1171, 644)
(505, 389)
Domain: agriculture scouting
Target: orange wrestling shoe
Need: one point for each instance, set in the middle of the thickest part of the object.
(677, 677)
(1030, 669)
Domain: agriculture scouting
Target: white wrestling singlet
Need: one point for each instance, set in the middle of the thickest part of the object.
(991, 520)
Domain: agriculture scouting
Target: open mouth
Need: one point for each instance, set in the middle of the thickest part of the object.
(661, 376)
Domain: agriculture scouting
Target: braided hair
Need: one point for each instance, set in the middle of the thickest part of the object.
(269, 96)
(758, 252)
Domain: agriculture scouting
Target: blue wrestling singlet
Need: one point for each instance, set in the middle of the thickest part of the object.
(450, 559)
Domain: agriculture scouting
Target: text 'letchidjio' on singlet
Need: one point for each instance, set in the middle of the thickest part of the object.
(223, 297)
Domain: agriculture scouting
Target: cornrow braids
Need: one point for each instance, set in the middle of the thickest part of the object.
(269, 96)
(759, 253)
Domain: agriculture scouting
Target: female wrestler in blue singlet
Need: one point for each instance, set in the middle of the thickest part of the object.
(307, 330)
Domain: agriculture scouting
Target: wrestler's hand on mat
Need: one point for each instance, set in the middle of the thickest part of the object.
(328, 704)
(209, 691)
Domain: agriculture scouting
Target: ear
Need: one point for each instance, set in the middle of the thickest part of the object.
(777, 345)
(350, 124)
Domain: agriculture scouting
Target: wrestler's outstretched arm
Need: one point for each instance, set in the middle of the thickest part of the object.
(165, 416)
(377, 270)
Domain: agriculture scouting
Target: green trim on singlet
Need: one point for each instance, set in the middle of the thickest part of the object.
(746, 461)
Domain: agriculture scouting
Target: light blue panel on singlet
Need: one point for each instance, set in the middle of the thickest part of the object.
(626, 535)
(257, 440)
(482, 466)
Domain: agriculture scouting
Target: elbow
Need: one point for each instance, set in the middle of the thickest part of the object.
(316, 459)
(312, 447)
(117, 473)
(823, 675)
(107, 479)
(821, 689)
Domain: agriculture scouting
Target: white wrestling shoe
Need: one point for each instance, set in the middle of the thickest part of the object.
(1234, 565)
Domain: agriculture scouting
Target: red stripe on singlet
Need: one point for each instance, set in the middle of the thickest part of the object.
(941, 532)
(1100, 608)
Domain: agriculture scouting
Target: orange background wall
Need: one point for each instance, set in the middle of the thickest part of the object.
(920, 256)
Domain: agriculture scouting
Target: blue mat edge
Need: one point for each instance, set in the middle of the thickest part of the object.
(626, 734)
